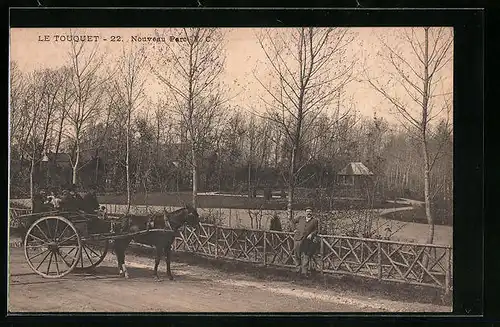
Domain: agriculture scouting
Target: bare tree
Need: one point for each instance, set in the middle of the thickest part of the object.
(164, 130)
(413, 85)
(230, 147)
(308, 67)
(55, 84)
(38, 86)
(18, 101)
(64, 101)
(441, 145)
(33, 111)
(87, 66)
(21, 120)
(192, 71)
(129, 88)
(258, 134)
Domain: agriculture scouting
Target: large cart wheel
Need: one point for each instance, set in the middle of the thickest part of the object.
(52, 246)
(92, 254)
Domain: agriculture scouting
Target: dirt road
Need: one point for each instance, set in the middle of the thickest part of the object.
(194, 289)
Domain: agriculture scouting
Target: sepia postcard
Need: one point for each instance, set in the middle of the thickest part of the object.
(268, 170)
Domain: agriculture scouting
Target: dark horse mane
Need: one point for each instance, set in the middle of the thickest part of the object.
(135, 223)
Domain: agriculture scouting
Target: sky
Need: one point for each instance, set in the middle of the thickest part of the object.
(34, 48)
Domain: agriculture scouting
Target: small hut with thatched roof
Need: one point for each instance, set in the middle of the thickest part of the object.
(355, 176)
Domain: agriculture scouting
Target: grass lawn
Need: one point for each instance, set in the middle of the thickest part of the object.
(231, 202)
(417, 215)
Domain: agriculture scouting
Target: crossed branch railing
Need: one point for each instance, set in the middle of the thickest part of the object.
(412, 263)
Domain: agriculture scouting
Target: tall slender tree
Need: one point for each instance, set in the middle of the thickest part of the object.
(128, 86)
(307, 68)
(417, 70)
(88, 78)
(191, 70)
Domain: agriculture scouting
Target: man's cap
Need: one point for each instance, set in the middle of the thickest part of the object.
(309, 209)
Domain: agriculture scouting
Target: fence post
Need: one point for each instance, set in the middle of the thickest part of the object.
(245, 242)
(448, 272)
(379, 259)
(216, 241)
(322, 253)
(265, 248)
(184, 240)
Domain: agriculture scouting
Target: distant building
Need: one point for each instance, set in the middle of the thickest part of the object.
(61, 159)
(355, 173)
(354, 179)
(60, 166)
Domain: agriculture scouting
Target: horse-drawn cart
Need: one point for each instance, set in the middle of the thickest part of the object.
(56, 243)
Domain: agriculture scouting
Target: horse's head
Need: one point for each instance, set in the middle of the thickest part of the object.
(186, 215)
(193, 218)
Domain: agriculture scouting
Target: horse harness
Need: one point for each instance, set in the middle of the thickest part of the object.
(151, 223)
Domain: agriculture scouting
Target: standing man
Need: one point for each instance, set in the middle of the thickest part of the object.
(306, 229)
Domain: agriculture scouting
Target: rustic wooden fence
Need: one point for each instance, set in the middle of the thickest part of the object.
(411, 263)
(15, 213)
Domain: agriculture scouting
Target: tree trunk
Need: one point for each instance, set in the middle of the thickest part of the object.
(32, 172)
(45, 133)
(291, 184)
(249, 179)
(77, 160)
(425, 102)
(145, 185)
(96, 172)
(138, 169)
(159, 182)
(127, 164)
(234, 189)
(428, 212)
(60, 131)
(195, 177)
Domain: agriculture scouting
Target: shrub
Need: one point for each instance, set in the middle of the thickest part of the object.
(358, 223)
(213, 216)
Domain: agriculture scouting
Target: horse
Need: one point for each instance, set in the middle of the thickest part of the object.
(161, 240)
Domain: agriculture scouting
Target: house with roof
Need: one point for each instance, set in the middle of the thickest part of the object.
(354, 179)
(355, 174)
(60, 169)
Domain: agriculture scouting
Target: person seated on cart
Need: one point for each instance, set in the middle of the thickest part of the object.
(90, 202)
(68, 201)
(101, 213)
(49, 198)
(73, 191)
(74, 199)
(53, 200)
(38, 202)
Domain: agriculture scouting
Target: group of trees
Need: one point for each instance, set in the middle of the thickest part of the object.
(304, 129)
